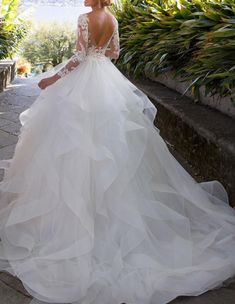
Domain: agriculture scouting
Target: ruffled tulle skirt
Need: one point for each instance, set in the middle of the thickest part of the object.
(96, 210)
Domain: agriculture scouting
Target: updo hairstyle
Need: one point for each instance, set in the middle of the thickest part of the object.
(105, 2)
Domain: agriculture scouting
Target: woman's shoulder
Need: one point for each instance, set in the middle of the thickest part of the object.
(82, 16)
(82, 20)
(93, 15)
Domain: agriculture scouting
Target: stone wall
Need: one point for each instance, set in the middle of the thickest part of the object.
(7, 73)
(224, 105)
(203, 136)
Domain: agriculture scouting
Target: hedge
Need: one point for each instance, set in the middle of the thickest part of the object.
(194, 39)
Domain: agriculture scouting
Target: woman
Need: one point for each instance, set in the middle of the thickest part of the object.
(94, 208)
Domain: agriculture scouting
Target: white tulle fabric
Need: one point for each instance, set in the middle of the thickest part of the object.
(96, 210)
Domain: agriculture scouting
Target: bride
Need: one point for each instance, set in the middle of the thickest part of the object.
(94, 209)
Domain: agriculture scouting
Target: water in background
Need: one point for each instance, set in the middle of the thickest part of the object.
(57, 12)
(48, 13)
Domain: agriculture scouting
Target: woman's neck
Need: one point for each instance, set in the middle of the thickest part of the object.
(97, 8)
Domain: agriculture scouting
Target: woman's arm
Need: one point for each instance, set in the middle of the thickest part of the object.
(113, 49)
(77, 58)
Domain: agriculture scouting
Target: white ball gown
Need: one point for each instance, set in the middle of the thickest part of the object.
(94, 208)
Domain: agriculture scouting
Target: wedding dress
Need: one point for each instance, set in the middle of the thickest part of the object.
(94, 208)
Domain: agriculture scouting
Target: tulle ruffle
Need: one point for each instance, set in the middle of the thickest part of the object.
(95, 209)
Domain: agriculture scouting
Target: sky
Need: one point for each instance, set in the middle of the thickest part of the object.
(57, 13)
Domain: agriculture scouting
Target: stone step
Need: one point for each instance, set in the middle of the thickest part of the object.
(203, 136)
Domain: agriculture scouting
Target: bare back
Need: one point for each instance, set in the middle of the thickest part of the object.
(101, 27)
(97, 37)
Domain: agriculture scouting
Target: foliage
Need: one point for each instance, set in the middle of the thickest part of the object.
(195, 39)
(49, 43)
(22, 66)
(13, 28)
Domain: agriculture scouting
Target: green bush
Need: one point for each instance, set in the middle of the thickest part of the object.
(194, 39)
(12, 28)
(49, 44)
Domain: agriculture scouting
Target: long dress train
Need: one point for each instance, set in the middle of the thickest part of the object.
(94, 208)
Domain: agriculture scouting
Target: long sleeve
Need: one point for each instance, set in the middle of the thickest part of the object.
(113, 49)
(81, 47)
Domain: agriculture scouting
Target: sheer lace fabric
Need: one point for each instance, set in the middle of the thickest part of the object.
(84, 47)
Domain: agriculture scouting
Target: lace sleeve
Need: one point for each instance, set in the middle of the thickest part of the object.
(113, 48)
(81, 47)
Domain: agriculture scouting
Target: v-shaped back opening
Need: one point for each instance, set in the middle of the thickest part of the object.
(89, 36)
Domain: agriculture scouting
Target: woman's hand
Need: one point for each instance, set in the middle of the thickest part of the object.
(45, 82)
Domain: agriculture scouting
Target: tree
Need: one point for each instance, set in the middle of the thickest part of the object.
(13, 27)
(49, 44)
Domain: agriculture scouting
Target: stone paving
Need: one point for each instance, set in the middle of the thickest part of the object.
(19, 96)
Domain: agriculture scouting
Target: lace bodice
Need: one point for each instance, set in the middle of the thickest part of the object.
(84, 46)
